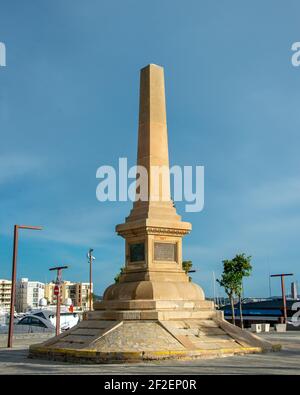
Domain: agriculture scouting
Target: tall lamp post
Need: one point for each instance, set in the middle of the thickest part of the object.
(14, 278)
(282, 275)
(91, 258)
(58, 294)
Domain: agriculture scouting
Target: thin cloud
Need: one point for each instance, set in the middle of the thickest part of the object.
(15, 165)
(276, 194)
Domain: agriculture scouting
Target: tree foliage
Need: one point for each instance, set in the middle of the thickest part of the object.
(234, 270)
(118, 276)
(186, 266)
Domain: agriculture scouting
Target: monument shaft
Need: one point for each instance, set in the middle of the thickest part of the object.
(153, 137)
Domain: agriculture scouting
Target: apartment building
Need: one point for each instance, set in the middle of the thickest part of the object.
(77, 292)
(5, 294)
(82, 292)
(28, 294)
(65, 291)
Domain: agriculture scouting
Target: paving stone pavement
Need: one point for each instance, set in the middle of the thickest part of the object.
(25, 339)
(287, 361)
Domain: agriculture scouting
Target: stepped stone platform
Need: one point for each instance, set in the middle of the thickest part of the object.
(161, 330)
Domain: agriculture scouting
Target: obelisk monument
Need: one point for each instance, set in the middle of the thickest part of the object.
(153, 231)
(154, 311)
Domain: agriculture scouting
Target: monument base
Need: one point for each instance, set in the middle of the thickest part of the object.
(146, 330)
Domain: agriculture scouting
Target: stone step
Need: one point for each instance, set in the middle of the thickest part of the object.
(202, 334)
(186, 314)
(77, 339)
(114, 315)
(211, 331)
(211, 339)
(196, 326)
(62, 344)
(199, 331)
(216, 345)
(88, 331)
(153, 304)
(121, 315)
(195, 323)
(83, 334)
(93, 324)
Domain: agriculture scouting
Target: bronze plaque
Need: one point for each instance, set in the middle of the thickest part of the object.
(165, 252)
(137, 252)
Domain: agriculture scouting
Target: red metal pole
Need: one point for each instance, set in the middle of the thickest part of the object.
(58, 283)
(284, 299)
(14, 279)
(282, 275)
(13, 288)
(90, 293)
(58, 305)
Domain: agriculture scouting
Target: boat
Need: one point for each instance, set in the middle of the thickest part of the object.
(263, 311)
(67, 319)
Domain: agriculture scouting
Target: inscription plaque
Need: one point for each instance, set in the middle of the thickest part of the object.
(137, 252)
(165, 252)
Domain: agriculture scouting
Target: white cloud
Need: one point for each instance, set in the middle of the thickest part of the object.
(73, 226)
(85, 226)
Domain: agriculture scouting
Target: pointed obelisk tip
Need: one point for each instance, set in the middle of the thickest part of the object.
(152, 100)
(152, 66)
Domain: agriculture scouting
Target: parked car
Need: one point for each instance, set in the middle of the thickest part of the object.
(32, 323)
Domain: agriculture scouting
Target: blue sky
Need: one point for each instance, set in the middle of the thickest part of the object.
(69, 104)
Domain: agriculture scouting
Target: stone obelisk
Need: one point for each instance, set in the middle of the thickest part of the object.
(154, 311)
(153, 148)
(153, 231)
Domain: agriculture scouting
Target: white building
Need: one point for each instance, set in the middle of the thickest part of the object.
(5, 294)
(28, 294)
(79, 293)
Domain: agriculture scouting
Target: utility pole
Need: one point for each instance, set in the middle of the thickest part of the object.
(214, 286)
(282, 275)
(91, 258)
(57, 292)
(14, 279)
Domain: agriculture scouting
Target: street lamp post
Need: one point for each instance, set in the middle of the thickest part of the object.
(90, 258)
(282, 275)
(14, 278)
(58, 295)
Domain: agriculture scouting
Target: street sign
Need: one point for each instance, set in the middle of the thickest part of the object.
(57, 293)
(56, 290)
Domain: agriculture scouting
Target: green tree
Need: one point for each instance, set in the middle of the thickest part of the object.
(234, 271)
(186, 266)
(118, 276)
(243, 268)
(229, 282)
